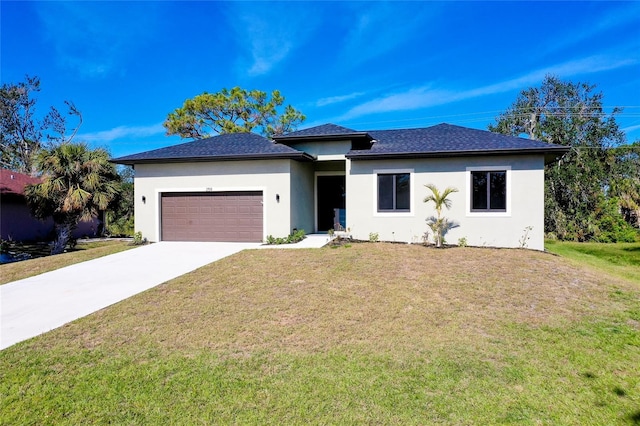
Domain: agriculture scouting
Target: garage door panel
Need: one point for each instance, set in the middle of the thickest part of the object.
(216, 216)
(246, 209)
(231, 210)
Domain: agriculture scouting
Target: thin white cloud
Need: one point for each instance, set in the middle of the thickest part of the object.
(94, 38)
(588, 65)
(415, 98)
(270, 32)
(376, 28)
(121, 132)
(268, 47)
(631, 128)
(426, 96)
(337, 99)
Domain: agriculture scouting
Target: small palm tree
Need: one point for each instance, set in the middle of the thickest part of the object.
(438, 224)
(78, 183)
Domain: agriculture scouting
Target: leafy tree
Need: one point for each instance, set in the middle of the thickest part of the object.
(625, 185)
(439, 225)
(119, 217)
(607, 225)
(22, 133)
(78, 183)
(570, 114)
(233, 111)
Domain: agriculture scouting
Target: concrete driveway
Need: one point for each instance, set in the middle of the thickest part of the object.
(38, 304)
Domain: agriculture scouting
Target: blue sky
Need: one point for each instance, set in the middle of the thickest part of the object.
(363, 65)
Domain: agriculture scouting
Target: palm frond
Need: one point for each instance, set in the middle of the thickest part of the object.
(78, 181)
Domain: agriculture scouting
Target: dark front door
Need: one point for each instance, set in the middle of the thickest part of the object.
(331, 196)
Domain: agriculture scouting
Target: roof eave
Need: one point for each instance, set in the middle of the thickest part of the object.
(550, 153)
(302, 156)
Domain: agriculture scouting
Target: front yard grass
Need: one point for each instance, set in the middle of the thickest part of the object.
(83, 251)
(366, 334)
(620, 259)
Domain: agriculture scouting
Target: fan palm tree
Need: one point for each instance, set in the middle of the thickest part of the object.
(438, 224)
(78, 183)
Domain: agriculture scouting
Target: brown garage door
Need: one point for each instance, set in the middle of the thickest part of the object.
(212, 216)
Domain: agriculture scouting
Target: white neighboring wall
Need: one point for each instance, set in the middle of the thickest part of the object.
(269, 176)
(525, 200)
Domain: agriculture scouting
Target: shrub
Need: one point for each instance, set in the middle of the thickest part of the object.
(120, 227)
(138, 240)
(292, 238)
(607, 225)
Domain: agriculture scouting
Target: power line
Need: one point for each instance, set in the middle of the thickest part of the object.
(489, 115)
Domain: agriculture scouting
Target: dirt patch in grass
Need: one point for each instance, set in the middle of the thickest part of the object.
(382, 296)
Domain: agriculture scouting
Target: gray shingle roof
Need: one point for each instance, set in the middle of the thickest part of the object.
(323, 130)
(447, 139)
(326, 132)
(442, 140)
(230, 146)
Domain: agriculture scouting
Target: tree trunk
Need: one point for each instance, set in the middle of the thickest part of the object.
(63, 235)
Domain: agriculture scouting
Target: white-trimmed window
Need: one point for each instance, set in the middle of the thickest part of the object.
(394, 192)
(488, 190)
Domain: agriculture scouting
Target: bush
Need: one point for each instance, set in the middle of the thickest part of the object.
(138, 240)
(292, 238)
(607, 225)
(120, 227)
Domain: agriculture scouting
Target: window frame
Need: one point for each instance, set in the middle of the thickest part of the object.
(469, 198)
(393, 212)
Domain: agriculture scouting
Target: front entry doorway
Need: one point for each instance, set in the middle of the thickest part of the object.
(331, 191)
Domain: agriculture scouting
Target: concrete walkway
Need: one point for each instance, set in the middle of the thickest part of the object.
(35, 305)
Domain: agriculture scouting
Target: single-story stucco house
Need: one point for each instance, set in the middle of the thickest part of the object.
(244, 187)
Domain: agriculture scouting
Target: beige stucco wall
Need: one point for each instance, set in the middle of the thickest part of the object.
(302, 196)
(295, 183)
(525, 200)
(269, 176)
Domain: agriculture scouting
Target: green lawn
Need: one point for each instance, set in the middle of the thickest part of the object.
(366, 334)
(621, 259)
(84, 251)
